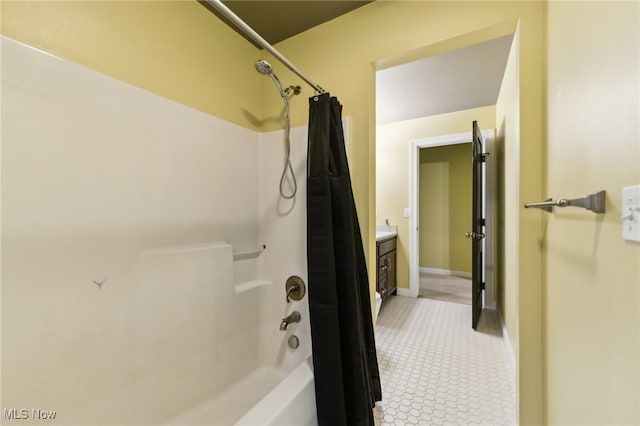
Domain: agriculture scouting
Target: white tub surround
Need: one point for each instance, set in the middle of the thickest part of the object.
(291, 402)
(120, 214)
(263, 398)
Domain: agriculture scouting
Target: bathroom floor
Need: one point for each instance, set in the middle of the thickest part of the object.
(436, 370)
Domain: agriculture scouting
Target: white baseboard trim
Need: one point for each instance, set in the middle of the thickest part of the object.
(437, 271)
(507, 341)
(406, 292)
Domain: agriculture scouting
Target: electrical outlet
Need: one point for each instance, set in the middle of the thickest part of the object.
(631, 213)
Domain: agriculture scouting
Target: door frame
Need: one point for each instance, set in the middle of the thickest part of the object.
(414, 202)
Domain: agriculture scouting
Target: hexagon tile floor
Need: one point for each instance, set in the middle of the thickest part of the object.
(436, 370)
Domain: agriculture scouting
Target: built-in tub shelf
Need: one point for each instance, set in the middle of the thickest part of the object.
(249, 285)
(248, 254)
(246, 269)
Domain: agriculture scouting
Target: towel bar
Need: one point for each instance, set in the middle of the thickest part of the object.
(594, 202)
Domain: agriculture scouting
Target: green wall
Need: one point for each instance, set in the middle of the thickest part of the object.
(445, 207)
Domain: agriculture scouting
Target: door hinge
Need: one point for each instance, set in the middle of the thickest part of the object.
(483, 158)
(482, 285)
(483, 222)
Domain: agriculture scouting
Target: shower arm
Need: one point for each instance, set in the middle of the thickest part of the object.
(242, 26)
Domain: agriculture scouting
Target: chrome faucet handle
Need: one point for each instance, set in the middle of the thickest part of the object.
(295, 288)
(290, 290)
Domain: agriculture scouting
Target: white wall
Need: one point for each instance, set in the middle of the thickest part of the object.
(102, 180)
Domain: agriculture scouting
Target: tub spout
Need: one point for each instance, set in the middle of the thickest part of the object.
(293, 317)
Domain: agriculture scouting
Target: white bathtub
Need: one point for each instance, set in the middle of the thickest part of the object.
(291, 401)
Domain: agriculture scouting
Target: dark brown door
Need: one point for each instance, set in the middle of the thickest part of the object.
(477, 226)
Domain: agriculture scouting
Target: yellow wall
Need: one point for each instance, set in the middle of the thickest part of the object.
(591, 295)
(445, 206)
(342, 56)
(592, 279)
(393, 168)
(507, 187)
(176, 49)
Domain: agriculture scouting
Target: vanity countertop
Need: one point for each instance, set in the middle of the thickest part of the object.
(385, 235)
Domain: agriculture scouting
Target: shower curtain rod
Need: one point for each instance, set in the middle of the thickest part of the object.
(242, 26)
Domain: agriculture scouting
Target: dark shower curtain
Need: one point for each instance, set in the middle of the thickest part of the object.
(347, 380)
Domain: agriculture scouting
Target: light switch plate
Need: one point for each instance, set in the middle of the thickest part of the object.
(407, 212)
(631, 213)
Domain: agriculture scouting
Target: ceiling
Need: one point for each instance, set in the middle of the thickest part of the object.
(278, 20)
(453, 81)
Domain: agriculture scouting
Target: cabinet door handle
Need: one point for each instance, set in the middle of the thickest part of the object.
(384, 267)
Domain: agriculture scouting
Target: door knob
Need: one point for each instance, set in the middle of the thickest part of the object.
(475, 235)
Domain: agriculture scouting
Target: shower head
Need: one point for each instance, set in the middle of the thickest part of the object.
(264, 67)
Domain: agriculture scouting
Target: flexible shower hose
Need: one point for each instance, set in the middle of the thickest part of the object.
(287, 148)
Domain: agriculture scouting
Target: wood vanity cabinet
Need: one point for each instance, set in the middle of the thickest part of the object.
(386, 266)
